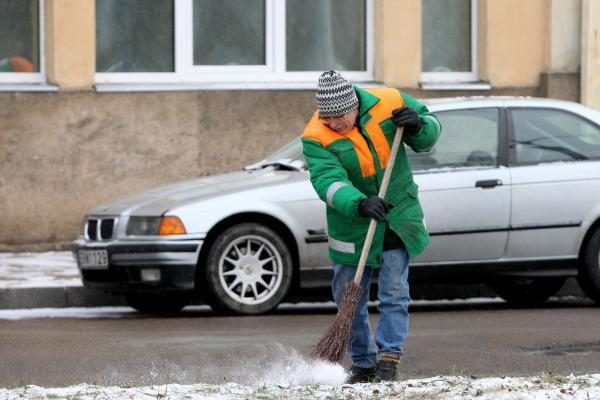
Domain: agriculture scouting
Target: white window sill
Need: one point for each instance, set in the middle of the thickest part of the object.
(27, 87)
(455, 86)
(158, 87)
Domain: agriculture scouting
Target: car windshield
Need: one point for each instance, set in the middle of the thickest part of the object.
(287, 157)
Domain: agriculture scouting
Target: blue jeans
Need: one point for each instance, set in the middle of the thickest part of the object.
(394, 299)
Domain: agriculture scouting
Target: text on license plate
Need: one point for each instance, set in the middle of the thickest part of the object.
(97, 259)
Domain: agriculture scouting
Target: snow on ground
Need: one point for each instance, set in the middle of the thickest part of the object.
(545, 387)
(31, 270)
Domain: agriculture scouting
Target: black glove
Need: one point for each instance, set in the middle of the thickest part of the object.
(408, 118)
(374, 207)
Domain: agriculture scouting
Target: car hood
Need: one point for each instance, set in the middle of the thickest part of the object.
(159, 200)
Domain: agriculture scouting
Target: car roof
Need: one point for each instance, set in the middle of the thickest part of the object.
(452, 103)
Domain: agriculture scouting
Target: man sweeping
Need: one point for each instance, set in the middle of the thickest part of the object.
(347, 147)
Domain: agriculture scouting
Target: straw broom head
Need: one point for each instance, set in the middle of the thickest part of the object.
(332, 345)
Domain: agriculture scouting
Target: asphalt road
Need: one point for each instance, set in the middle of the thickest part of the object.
(198, 346)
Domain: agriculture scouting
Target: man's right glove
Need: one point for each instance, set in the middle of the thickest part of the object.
(374, 207)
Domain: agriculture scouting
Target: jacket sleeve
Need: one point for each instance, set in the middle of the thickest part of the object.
(430, 131)
(330, 179)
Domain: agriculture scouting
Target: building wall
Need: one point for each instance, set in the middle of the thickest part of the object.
(590, 60)
(66, 152)
(561, 79)
(70, 43)
(63, 153)
(398, 42)
(517, 43)
(565, 34)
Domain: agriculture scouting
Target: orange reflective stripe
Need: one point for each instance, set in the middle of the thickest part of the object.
(365, 158)
(317, 131)
(389, 100)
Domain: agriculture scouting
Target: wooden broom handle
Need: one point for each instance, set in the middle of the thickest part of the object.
(382, 191)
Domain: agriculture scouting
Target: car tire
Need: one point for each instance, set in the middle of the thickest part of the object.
(526, 291)
(248, 270)
(165, 303)
(588, 275)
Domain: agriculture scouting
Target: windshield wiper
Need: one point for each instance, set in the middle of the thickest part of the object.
(283, 164)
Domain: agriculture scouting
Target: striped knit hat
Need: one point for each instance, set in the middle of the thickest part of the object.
(335, 95)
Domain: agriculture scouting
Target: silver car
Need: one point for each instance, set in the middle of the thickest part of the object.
(511, 194)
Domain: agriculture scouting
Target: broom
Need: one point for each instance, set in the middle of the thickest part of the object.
(333, 344)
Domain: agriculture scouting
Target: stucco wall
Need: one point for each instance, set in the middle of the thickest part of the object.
(70, 43)
(565, 36)
(517, 42)
(398, 42)
(590, 59)
(63, 153)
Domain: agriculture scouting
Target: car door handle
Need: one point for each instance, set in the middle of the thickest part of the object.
(488, 183)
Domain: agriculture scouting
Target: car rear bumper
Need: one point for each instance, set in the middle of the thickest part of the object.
(142, 266)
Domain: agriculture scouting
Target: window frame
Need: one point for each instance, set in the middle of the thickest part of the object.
(512, 150)
(459, 77)
(272, 73)
(31, 77)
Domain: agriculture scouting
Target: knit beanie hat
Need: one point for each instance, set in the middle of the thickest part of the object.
(335, 95)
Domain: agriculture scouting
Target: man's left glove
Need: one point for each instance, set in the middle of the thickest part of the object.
(408, 118)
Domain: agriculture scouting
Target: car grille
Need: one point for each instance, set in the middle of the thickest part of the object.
(100, 228)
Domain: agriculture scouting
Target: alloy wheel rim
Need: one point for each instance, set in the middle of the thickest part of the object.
(250, 270)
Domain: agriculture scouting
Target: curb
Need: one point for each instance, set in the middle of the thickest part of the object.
(57, 297)
(79, 296)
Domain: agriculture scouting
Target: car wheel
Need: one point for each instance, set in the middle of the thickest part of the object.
(157, 303)
(526, 291)
(248, 270)
(589, 269)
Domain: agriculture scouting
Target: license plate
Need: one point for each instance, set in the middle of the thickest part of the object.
(93, 259)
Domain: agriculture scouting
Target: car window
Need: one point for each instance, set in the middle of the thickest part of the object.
(469, 139)
(546, 135)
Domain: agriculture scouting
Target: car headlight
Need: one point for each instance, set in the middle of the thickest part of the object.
(144, 226)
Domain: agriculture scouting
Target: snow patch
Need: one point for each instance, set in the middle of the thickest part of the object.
(546, 387)
(34, 270)
(295, 370)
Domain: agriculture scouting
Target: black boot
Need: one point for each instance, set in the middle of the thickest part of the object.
(361, 375)
(387, 367)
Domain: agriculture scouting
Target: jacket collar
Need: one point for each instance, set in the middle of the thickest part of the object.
(366, 100)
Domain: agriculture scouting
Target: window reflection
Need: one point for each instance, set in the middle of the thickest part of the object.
(19, 30)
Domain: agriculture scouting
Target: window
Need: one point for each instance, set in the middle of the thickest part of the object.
(546, 135)
(129, 39)
(449, 32)
(469, 139)
(240, 41)
(228, 41)
(20, 30)
(318, 37)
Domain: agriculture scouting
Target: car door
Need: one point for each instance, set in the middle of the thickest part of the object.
(464, 191)
(555, 170)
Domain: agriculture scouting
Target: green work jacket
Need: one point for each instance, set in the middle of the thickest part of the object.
(347, 168)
